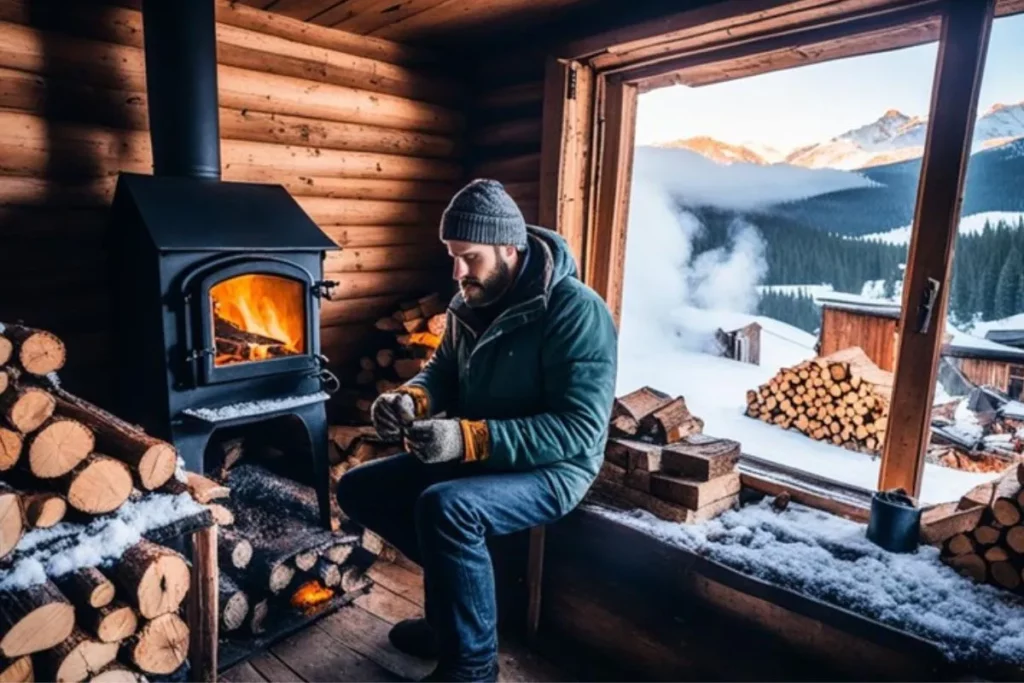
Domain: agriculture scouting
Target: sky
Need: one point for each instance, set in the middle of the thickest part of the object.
(801, 106)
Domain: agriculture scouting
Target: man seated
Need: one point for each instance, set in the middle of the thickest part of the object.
(525, 378)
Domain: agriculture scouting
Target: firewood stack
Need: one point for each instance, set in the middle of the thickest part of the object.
(405, 342)
(982, 535)
(658, 459)
(841, 399)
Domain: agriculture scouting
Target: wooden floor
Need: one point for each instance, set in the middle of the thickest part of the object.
(352, 644)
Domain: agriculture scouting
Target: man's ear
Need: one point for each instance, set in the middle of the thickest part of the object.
(508, 251)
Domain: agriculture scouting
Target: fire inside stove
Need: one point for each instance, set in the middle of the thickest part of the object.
(256, 317)
(311, 594)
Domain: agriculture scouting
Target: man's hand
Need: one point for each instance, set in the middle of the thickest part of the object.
(390, 412)
(434, 441)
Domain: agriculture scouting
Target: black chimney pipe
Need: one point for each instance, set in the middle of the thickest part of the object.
(181, 82)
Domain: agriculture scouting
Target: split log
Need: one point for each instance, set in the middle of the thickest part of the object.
(691, 493)
(701, 457)
(305, 561)
(233, 550)
(117, 673)
(623, 452)
(327, 572)
(12, 519)
(58, 447)
(152, 460)
(26, 408)
(971, 565)
(111, 623)
(1005, 574)
(628, 411)
(97, 485)
(34, 619)
(354, 580)
(257, 617)
(37, 352)
(86, 588)
(10, 448)
(204, 490)
(1005, 508)
(986, 535)
(942, 522)
(17, 670)
(338, 554)
(75, 659)
(155, 579)
(960, 544)
(159, 647)
(234, 603)
(1015, 539)
(622, 496)
(671, 422)
(43, 510)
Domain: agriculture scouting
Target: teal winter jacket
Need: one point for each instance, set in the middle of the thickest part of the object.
(534, 389)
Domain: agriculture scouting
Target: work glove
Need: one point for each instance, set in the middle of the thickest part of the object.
(434, 441)
(391, 412)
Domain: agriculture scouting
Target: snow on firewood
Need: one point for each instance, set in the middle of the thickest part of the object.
(53, 552)
(251, 408)
(830, 558)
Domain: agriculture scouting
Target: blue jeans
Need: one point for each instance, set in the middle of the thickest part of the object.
(439, 516)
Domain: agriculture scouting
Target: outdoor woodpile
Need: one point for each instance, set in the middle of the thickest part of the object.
(842, 399)
(658, 459)
(982, 534)
(403, 343)
(65, 459)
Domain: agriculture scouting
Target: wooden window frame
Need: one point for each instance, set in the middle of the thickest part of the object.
(598, 177)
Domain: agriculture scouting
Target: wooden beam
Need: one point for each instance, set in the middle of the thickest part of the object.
(565, 152)
(606, 240)
(961, 58)
(203, 607)
(534, 582)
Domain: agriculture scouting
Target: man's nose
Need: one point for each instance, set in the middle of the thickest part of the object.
(459, 269)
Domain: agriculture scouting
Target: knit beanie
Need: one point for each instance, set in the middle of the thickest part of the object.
(484, 213)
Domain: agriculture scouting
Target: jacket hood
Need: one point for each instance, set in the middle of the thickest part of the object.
(559, 263)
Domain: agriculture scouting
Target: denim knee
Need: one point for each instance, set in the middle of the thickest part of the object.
(441, 506)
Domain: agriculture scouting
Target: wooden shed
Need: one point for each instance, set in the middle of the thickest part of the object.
(160, 161)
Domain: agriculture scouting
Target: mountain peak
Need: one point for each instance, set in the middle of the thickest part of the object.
(716, 150)
(894, 114)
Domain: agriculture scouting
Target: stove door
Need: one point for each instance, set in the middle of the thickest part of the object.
(251, 318)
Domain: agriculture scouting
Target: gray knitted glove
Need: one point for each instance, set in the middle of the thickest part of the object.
(390, 412)
(434, 441)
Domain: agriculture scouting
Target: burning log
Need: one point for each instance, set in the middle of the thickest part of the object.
(154, 578)
(97, 485)
(86, 588)
(159, 647)
(234, 603)
(26, 407)
(43, 510)
(152, 461)
(12, 519)
(233, 550)
(58, 447)
(18, 670)
(310, 594)
(75, 659)
(10, 448)
(34, 619)
(37, 352)
(111, 623)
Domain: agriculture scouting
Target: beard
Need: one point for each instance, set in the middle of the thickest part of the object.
(479, 293)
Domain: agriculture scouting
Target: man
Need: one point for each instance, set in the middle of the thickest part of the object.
(504, 427)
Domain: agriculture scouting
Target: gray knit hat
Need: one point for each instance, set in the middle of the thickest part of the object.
(484, 213)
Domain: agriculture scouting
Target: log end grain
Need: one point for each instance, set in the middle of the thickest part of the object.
(58, 447)
(116, 622)
(29, 408)
(34, 619)
(156, 578)
(233, 611)
(41, 353)
(117, 673)
(12, 520)
(10, 448)
(160, 646)
(6, 349)
(157, 465)
(44, 510)
(18, 670)
(99, 485)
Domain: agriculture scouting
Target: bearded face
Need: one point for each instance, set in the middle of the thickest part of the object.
(484, 272)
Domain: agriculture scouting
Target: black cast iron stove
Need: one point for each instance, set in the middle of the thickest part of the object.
(218, 283)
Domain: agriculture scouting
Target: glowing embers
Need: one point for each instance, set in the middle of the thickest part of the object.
(310, 594)
(256, 317)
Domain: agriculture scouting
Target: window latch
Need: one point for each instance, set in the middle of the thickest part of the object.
(928, 298)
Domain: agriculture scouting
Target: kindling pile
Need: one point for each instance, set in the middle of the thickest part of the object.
(842, 399)
(658, 459)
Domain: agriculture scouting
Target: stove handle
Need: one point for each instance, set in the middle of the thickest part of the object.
(322, 288)
(329, 382)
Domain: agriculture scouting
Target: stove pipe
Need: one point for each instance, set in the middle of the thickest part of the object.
(181, 82)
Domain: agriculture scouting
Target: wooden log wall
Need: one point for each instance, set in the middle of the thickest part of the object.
(875, 334)
(505, 127)
(985, 372)
(368, 135)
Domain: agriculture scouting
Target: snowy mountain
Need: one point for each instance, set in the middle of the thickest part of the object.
(717, 151)
(1000, 124)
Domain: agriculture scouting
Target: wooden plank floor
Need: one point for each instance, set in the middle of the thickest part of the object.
(352, 644)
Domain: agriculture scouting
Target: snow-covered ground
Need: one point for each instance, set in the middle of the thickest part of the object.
(1014, 322)
(969, 225)
(831, 559)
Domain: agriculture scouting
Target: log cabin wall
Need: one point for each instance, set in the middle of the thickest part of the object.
(875, 334)
(365, 133)
(505, 126)
(985, 372)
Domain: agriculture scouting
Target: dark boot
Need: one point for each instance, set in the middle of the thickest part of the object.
(444, 674)
(414, 637)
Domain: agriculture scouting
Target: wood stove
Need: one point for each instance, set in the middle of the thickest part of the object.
(217, 283)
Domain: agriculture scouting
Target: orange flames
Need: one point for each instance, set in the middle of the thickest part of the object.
(257, 317)
(311, 594)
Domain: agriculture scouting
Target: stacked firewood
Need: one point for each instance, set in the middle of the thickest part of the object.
(122, 621)
(658, 459)
(982, 534)
(842, 399)
(404, 342)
